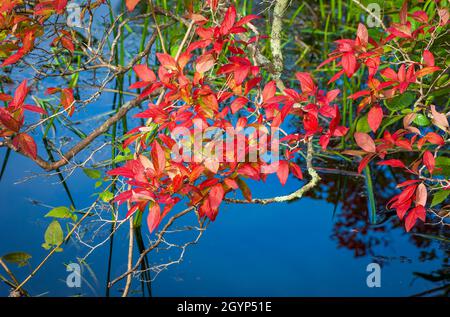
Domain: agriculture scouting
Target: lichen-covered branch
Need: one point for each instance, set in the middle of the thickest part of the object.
(315, 178)
(275, 37)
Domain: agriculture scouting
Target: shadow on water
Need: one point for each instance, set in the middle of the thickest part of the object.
(352, 229)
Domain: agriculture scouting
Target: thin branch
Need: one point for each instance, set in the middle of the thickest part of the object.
(315, 178)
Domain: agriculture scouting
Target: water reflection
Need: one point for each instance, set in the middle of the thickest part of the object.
(353, 231)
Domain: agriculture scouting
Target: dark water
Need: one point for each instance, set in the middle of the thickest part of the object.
(274, 250)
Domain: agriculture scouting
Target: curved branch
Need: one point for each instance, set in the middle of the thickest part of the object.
(315, 178)
(70, 154)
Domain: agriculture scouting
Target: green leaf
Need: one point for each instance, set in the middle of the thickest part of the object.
(53, 236)
(400, 102)
(98, 184)
(422, 120)
(61, 213)
(389, 121)
(106, 196)
(19, 258)
(91, 173)
(442, 163)
(439, 197)
(120, 158)
(363, 125)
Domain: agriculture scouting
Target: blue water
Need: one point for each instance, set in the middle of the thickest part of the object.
(272, 250)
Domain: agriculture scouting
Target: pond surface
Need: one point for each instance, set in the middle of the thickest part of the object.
(274, 250)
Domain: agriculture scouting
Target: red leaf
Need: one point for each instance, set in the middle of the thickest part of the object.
(158, 157)
(296, 170)
(429, 161)
(27, 44)
(375, 117)
(67, 43)
(283, 171)
(389, 73)
(204, 63)
(428, 58)
(269, 90)
(349, 64)
(310, 123)
(245, 189)
(336, 76)
(365, 142)
(407, 183)
(215, 197)
(228, 21)
(167, 61)
(246, 19)
(231, 183)
(67, 100)
(5, 97)
(365, 160)
(144, 73)
(362, 34)
(8, 120)
(439, 119)
(306, 82)
(131, 4)
(154, 217)
(443, 16)
(20, 94)
(426, 70)
(34, 109)
(420, 16)
(404, 12)
(26, 144)
(238, 103)
(393, 163)
(421, 195)
(418, 212)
